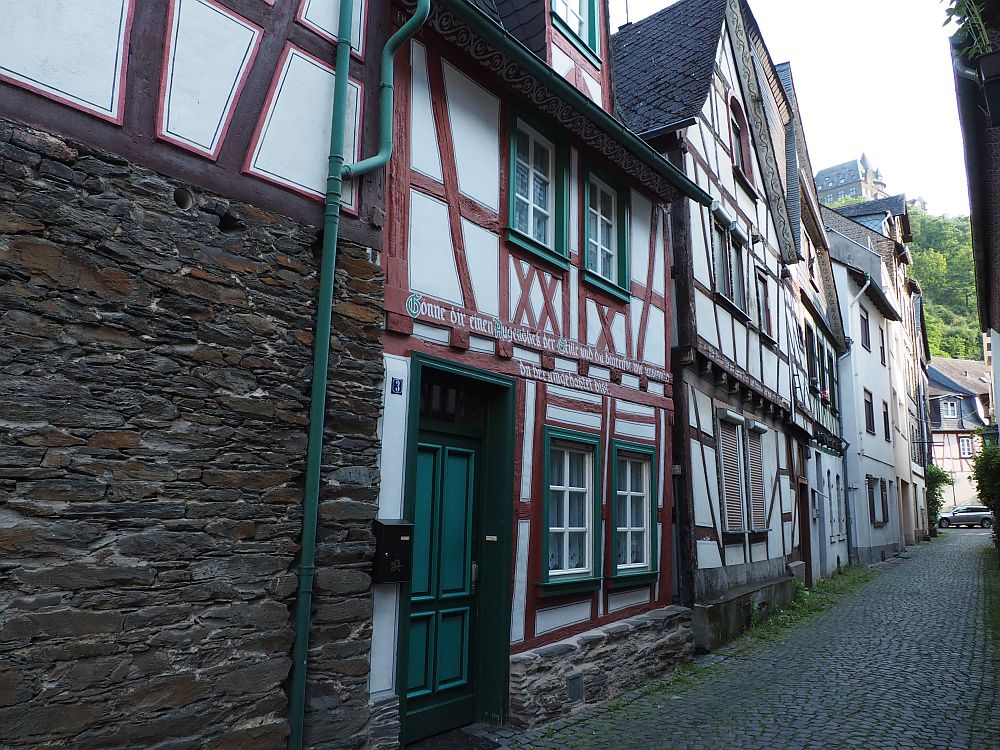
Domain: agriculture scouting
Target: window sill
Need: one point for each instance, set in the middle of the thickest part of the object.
(879, 524)
(768, 340)
(733, 537)
(537, 249)
(631, 580)
(870, 432)
(744, 182)
(568, 586)
(573, 38)
(737, 311)
(606, 286)
(758, 535)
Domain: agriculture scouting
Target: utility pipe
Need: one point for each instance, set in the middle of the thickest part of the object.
(336, 174)
(321, 363)
(396, 41)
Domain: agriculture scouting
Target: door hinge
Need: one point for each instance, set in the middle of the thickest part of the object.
(475, 577)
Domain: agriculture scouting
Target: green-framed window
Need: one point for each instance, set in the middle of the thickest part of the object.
(578, 21)
(571, 543)
(633, 510)
(605, 241)
(538, 207)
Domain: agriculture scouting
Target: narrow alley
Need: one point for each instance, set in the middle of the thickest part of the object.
(903, 662)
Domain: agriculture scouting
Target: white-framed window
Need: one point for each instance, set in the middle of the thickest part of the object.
(602, 230)
(575, 13)
(571, 510)
(949, 409)
(965, 447)
(729, 279)
(632, 513)
(534, 167)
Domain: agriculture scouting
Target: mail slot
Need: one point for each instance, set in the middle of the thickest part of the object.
(393, 551)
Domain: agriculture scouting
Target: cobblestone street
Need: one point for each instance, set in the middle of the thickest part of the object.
(905, 662)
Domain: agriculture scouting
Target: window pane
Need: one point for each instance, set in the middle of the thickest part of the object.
(520, 215)
(605, 265)
(591, 256)
(521, 173)
(540, 192)
(607, 204)
(541, 159)
(577, 470)
(577, 550)
(594, 192)
(638, 512)
(638, 482)
(557, 514)
(623, 468)
(556, 476)
(541, 228)
(623, 548)
(523, 146)
(638, 547)
(621, 511)
(557, 554)
(605, 237)
(578, 510)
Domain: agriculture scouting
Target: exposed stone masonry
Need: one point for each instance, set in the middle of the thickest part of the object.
(550, 682)
(155, 365)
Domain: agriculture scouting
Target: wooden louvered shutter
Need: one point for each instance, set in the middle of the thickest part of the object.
(729, 459)
(885, 501)
(870, 481)
(758, 511)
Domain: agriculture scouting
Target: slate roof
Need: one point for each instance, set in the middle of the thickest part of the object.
(524, 19)
(861, 234)
(968, 418)
(894, 205)
(948, 376)
(663, 64)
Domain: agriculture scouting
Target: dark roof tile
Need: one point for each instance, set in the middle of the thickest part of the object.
(663, 64)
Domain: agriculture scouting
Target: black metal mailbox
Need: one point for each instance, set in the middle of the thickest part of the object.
(393, 551)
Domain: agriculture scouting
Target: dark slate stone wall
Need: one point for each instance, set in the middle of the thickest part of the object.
(155, 365)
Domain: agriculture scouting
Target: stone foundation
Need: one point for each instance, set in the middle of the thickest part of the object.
(719, 621)
(553, 681)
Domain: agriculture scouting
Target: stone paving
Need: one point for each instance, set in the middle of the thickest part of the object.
(903, 663)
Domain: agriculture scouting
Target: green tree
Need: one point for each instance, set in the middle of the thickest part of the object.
(943, 264)
(937, 479)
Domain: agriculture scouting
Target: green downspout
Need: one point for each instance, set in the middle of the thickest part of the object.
(324, 308)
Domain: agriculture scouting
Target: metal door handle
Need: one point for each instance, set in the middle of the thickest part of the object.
(475, 577)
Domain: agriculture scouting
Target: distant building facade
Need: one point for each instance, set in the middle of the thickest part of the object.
(960, 404)
(855, 178)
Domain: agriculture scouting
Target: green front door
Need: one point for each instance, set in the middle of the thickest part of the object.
(441, 665)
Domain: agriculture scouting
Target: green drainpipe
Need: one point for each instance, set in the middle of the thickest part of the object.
(321, 346)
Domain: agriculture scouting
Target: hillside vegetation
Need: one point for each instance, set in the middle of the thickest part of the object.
(942, 263)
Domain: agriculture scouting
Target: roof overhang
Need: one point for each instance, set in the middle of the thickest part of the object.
(982, 154)
(874, 292)
(488, 44)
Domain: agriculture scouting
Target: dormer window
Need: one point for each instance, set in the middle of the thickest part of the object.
(949, 409)
(577, 19)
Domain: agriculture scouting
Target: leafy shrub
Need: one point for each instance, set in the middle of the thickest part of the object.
(937, 479)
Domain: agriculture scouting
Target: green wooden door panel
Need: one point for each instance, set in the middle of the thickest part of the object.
(455, 544)
(452, 663)
(424, 564)
(419, 674)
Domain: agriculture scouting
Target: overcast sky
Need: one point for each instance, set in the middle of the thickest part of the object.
(871, 76)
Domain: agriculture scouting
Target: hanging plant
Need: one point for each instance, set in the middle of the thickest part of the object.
(974, 32)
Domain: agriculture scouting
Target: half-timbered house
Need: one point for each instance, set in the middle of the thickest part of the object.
(959, 396)
(743, 465)
(528, 404)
